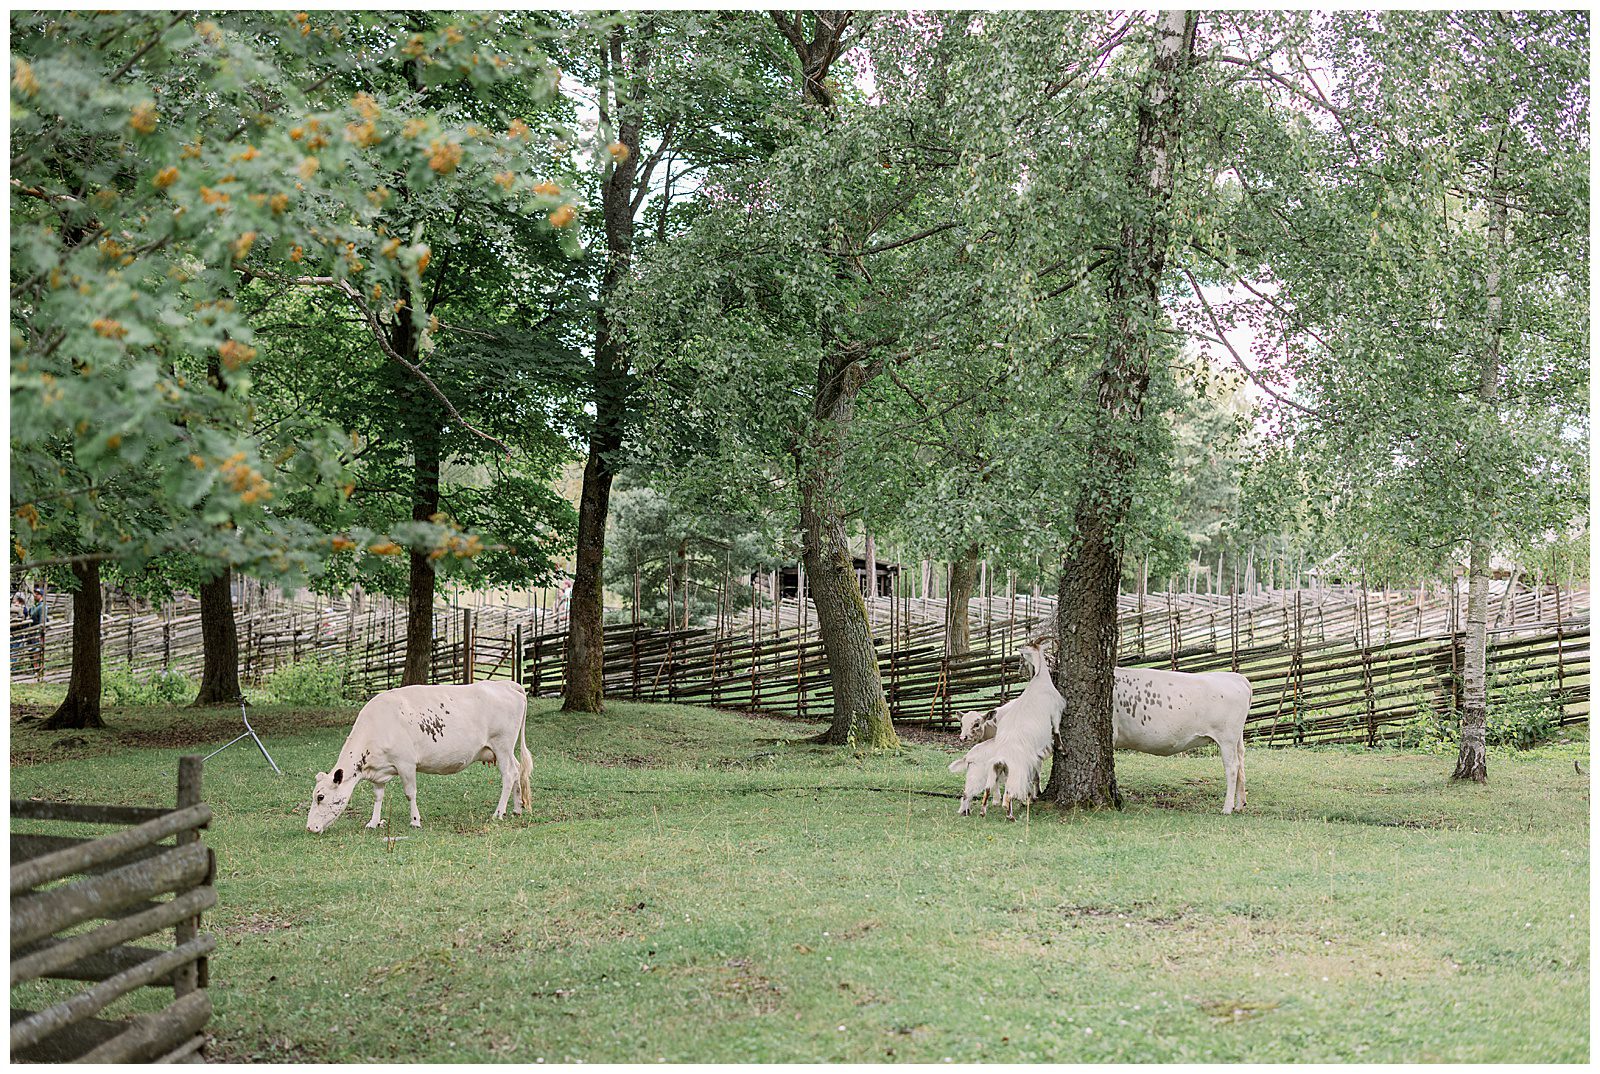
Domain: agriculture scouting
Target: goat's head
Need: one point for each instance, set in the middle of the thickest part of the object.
(972, 723)
(1036, 652)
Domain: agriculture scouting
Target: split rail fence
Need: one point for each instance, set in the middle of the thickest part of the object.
(62, 885)
(1327, 663)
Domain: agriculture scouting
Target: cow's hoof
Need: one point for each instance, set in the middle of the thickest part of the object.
(416, 824)
(373, 824)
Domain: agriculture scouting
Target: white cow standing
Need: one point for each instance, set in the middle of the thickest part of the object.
(1168, 712)
(434, 729)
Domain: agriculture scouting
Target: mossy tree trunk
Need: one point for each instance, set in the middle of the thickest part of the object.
(860, 708)
(963, 584)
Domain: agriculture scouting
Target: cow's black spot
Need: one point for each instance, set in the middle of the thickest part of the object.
(433, 727)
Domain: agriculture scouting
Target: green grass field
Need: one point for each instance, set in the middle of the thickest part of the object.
(696, 885)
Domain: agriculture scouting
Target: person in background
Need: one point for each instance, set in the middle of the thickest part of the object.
(19, 622)
(39, 614)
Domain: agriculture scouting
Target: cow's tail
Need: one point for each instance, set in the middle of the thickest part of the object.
(525, 762)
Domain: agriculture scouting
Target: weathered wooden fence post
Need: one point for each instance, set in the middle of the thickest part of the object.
(195, 974)
(516, 653)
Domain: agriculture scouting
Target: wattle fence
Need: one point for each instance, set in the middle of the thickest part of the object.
(1320, 692)
(76, 901)
(1327, 664)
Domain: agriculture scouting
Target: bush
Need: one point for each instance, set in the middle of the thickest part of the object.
(1522, 721)
(312, 682)
(121, 687)
(1518, 719)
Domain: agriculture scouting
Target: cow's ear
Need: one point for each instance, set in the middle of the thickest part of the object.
(338, 776)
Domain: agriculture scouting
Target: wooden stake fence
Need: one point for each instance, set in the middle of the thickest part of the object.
(121, 874)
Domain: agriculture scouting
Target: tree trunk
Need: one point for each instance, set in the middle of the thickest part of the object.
(81, 707)
(860, 708)
(963, 583)
(420, 590)
(219, 638)
(585, 655)
(1472, 761)
(1083, 773)
(219, 680)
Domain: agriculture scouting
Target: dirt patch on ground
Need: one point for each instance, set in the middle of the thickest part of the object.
(1234, 1011)
(858, 930)
(132, 729)
(256, 923)
(741, 979)
(621, 762)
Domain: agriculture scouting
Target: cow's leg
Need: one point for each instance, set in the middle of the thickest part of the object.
(507, 760)
(1239, 768)
(1230, 771)
(377, 806)
(408, 782)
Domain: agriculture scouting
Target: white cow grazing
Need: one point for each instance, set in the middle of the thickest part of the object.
(1168, 712)
(435, 729)
(1025, 730)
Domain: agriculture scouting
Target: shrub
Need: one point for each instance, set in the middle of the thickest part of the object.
(1522, 721)
(1519, 719)
(167, 687)
(313, 681)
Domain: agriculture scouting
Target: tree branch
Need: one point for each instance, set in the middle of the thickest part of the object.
(1222, 337)
(349, 291)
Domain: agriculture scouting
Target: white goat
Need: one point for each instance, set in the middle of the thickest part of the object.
(1025, 730)
(978, 725)
(980, 776)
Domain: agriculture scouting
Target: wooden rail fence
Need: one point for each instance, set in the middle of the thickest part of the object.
(1329, 663)
(1333, 691)
(122, 874)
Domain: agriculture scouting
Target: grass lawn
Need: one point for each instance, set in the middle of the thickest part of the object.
(696, 885)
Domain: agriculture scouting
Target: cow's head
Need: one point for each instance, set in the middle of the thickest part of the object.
(329, 798)
(971, 722)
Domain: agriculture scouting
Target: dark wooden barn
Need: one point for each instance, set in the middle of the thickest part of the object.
(789, 578)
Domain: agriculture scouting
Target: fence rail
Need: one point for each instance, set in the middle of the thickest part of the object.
(121, 876)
